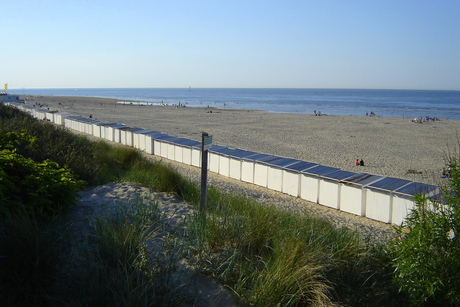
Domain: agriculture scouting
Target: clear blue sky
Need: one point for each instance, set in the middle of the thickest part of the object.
(402, 44)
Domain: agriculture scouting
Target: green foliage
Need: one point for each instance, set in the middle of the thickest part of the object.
(17, 141)
(37, 188)
(427, 257)
(42, 188)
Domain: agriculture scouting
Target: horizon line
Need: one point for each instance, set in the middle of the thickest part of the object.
(190, 87)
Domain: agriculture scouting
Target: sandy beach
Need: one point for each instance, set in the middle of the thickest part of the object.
(389, 146)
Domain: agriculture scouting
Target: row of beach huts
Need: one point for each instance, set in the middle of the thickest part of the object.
(380, 198)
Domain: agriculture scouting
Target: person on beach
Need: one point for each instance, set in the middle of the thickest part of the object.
(361, 162)
(357, 162)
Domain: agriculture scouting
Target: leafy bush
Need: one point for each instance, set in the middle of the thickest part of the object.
(427, 258)
(27, 186)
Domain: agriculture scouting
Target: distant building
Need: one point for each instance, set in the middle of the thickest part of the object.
(4, 97)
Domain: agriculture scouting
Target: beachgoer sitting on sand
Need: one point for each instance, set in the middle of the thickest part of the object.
(357, 162)
(361, 162)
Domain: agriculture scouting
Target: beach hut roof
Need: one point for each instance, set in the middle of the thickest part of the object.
(281, 162)
(170, 139)
(267, 159)
(361, 179)
(117, 126)
(414, 188)
(152, 132)
(256, 156)
(299, 166)
(388, 184)
(187, 142)
(231, 152)
(240, 153)
(158, 135)
(319, 170)
(144, 131)
(219, 149)
(102, 123)
(337, 175)
(136, 130)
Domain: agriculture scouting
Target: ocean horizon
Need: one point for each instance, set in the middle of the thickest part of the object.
(443, 104)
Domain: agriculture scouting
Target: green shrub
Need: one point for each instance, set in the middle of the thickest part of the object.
(427, 257)
(36, 188)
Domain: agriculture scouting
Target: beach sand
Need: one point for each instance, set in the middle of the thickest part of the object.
(394, 147)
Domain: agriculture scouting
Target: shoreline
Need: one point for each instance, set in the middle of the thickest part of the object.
(389, 146)
(144, 103)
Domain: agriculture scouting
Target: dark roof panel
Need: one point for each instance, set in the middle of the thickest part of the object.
(361, 179)
(189, 142)
(414, 188)
(256, 157)
(319, 170)
(299, 166)
(388, 184)
(337, 175)
(282, 162)
(241, 153)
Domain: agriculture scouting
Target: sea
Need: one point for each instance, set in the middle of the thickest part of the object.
(385, 103)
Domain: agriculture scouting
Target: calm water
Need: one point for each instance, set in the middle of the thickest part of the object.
(395, 103)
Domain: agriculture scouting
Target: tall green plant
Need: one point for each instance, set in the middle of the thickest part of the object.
(427, 258)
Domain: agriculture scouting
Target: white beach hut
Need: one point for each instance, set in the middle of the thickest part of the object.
(379, 200)
(248, 165)
(59, 118)
(147, 142)
(158, 146)
(196, 155)
(214, 155)
(139, 138)
(99, 129)
(184, 148)
(352, 193)
(168, 145)
(112, 132)
(329, 187)
(275, 174)
(292, 177)
(403, 199)
(127, 136)
(310, 182)
(236, 161)
(261, 166)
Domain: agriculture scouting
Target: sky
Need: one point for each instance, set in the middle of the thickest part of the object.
(392, 44)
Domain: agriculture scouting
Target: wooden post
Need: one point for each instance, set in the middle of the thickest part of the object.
(205, 139)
